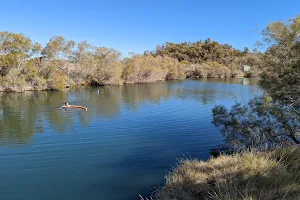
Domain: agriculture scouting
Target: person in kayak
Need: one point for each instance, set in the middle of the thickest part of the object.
(67, 106)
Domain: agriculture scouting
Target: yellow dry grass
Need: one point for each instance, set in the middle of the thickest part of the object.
(246, 176)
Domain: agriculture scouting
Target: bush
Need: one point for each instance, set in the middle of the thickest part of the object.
(248, 74)
(148, 68)
(39, 82)
(212, 70)
(31, 70)
(249, 175)
(262, 123)
(185, 62)
(109, 74)
(58, 81)
(237, 74)
(15, 77)
(219, 70)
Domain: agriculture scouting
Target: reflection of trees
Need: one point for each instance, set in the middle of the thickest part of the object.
(134, 95)
(19, 117)
(107, 102)
(204, 96)
(243, 81)
(57, 117)
(254, 81)
(25, 114)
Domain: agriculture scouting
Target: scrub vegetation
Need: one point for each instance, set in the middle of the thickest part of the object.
(62, 63)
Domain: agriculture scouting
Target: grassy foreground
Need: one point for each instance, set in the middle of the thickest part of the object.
(248, 176)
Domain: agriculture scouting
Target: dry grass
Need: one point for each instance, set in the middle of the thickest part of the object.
(248, 176)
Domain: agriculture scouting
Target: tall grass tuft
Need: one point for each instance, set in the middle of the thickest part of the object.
(247, 176)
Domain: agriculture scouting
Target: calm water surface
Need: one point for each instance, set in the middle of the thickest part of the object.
(120, 148)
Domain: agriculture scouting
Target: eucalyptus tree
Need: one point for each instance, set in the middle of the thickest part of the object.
(281, 79)
(15, 49)
(57, 55)
(274, 119)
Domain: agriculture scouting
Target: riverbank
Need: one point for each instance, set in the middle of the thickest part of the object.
(23, 88)
(251, 175)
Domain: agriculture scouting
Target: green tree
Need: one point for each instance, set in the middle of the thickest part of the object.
(246, 50)
(281, 79)
(58, 48)
(272, 120)
(211, 51)
(57, 55)
(15, 49)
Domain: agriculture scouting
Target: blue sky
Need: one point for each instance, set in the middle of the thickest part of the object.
(136, 26)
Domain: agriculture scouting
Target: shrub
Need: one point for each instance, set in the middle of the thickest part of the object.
(249, 175)
(218, 70)
(262, 123)
(39, 82)
(185, 62)
(148, 68)
(212, 70)
(58, 81)
(248, 74)
(31, 70)
(237, 73)
(109, 74)
(14, 77)
(202, 70)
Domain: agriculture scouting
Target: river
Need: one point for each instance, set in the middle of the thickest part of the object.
(119, 148)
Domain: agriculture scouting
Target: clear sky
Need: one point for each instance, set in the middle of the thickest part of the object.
(136, 26)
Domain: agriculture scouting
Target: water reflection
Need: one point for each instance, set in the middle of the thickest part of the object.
(134, 95)
(20, 114)
(243, 81)
(24, 114)
(204, 96)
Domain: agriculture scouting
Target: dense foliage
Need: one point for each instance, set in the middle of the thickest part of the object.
(274, 119)
(211, 51)
(65, 63)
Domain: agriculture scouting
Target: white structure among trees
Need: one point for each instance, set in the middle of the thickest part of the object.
(246, 68)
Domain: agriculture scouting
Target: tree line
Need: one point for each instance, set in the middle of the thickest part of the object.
(64, 63)
(210, 51)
